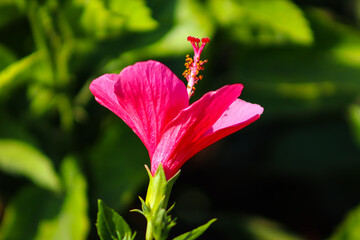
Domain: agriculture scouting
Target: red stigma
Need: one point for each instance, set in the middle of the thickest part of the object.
(193, 39)
(205, 40)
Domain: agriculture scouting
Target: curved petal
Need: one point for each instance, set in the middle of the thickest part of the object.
(103, 90)
(152, 96)
(189, 125)
(237, 116)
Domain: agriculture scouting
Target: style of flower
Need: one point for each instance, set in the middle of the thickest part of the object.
(154, 103)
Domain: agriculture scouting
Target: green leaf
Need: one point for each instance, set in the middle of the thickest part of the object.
(260, 228)
(350, 227)
(354, 115)
(71, 222)
(21, 4)
(197, 232)
(110, 225)
(104, 19)
(303, 80)
(263, 21)
(189, 19)
(14, 73)
(137, 14)
(19, 214)
(42, 99)
(20, 158)
(36, 214)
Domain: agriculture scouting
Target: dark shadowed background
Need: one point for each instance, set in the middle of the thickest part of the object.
(293, 174)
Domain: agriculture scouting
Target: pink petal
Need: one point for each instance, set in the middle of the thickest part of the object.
(103, 90)
(189, 125)
(152, 96)
(237, 116)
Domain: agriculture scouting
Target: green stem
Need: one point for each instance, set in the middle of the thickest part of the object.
(149, 230)
(157, 197)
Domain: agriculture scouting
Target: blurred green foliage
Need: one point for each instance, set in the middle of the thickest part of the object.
(296, 170)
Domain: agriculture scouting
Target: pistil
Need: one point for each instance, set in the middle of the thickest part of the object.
(194, 65)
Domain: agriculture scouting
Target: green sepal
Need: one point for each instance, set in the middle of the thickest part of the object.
(159, 222)
(110, 225)
(144, 207)
(194, 234)
(162, 223)
(159, 188)
(170, 208)
(137, 211)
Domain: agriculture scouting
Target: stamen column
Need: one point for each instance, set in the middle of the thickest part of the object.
(193, 66)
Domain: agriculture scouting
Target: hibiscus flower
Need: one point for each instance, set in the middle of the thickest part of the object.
(154, 103)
